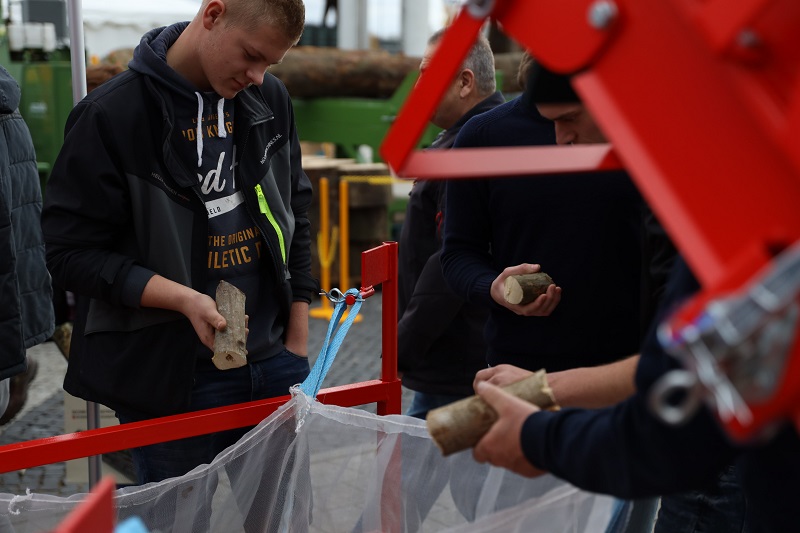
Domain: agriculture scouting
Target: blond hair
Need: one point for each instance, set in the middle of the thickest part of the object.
(286, 15)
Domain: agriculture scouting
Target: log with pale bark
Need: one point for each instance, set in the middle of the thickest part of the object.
(313, 72)
(230, 344)
(524, 288)
(310, 71)
(460, 425)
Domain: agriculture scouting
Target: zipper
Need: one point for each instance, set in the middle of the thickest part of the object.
(263, 206)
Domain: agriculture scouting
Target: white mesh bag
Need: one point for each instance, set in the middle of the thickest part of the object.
(311, 467)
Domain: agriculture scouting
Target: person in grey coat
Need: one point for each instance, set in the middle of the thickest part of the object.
(26, 316)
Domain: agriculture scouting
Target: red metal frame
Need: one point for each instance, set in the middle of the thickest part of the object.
(701, 101)
(379, 267)
(95, 514)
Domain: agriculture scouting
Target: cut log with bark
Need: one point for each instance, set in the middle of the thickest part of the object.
(524, 288)
(230, 344)
(315, 72)
(460, 425)
(310, 71)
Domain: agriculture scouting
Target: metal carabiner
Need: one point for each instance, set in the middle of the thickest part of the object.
(335, 295)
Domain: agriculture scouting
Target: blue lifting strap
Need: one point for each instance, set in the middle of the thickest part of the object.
(327, 354)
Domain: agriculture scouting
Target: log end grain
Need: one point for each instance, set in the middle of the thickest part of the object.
(525, 288)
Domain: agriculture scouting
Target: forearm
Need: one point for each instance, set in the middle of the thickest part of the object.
(296, 339)
(595, 387)
(163, 293)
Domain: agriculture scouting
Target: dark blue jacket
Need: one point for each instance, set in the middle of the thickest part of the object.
(26, 313)
(584, 229)
(627, 452)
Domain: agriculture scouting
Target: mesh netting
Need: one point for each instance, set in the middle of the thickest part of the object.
(319, 468)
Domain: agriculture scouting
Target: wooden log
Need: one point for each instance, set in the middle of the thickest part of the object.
(230, 344)
(524, 288)
(311, 71)
(460, 425)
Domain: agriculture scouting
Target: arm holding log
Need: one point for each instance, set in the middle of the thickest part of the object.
(542, 305)
(586, 387)
(461, 424)
(501, 445)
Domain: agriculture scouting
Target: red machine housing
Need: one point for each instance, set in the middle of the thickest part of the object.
(701, 103)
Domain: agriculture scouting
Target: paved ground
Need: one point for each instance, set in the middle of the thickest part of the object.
(43, 415)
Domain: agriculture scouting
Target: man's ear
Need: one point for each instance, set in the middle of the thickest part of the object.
(466, 83)
(211, 13)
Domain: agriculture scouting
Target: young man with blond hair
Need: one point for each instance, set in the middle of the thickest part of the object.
(175, 175)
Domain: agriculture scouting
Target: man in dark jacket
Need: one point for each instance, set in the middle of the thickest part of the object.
(177, 174)
(440, 345)
(627, 451)
(26, 316)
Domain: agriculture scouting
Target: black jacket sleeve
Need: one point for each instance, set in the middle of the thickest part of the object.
(625, 450)
(87, 211)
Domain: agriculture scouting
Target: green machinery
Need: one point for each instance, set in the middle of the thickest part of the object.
(352, 122)
(46, 82)
(45, 78)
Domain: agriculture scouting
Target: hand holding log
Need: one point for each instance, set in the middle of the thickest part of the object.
(524, 288)
(230, 349)
(460, 425)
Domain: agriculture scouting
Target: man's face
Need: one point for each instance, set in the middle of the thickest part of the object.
(574, 124)
(448, 112)
(232, 58)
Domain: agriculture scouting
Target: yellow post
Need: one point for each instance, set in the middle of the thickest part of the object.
(344, 228)
(344, 240)
(325, 252)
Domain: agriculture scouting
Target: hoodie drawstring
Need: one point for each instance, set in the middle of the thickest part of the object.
(199, 130)
(221, 118)
(220, 125)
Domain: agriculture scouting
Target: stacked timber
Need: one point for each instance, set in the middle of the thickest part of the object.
(311, 72)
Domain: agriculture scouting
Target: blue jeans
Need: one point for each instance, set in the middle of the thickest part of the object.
(216, 388)
(424, 402)
(720, 508)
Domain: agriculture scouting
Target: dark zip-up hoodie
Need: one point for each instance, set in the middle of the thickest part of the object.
(144, 185)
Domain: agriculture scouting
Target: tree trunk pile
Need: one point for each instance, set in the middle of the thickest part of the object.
(313, 72)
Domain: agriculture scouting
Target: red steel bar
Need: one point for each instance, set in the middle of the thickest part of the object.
(379, 267)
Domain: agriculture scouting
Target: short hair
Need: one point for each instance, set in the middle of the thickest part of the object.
(288, 15)
(523, 73)
(480, 61)
(548, 87)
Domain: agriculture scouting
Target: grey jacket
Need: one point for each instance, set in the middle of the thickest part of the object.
(26, 313)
